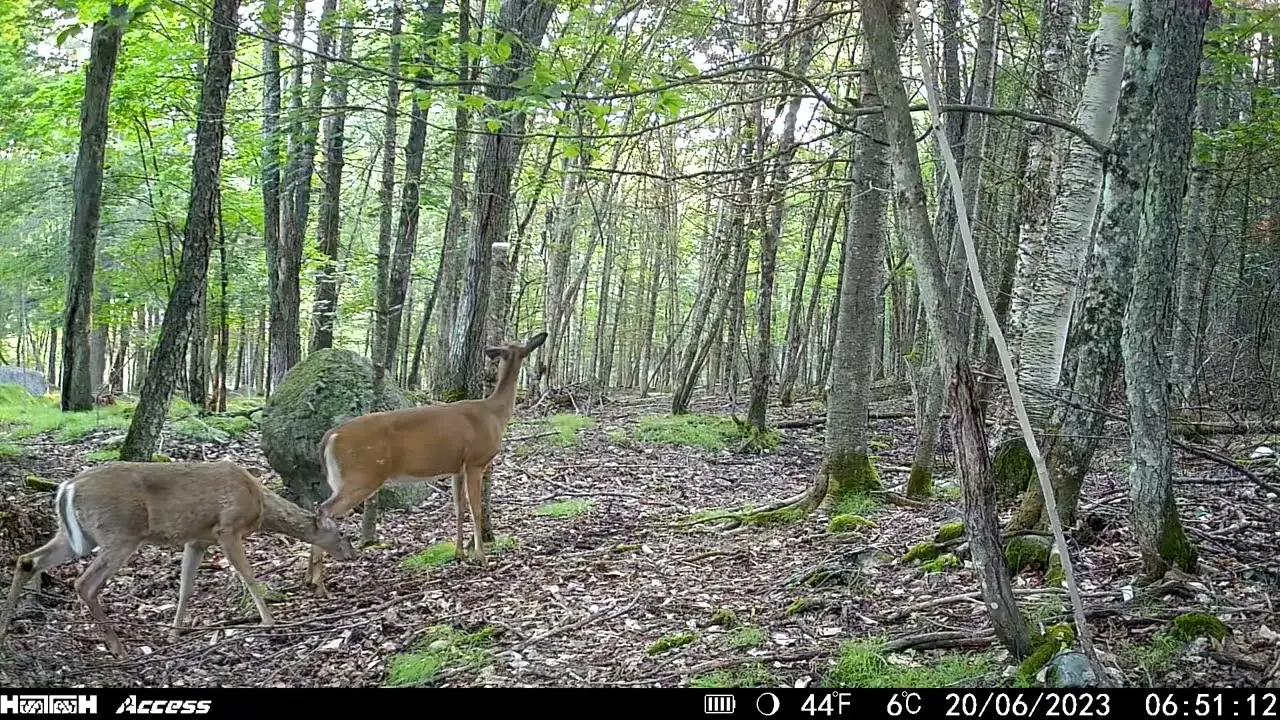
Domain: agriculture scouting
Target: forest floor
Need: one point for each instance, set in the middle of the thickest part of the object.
(599, 579)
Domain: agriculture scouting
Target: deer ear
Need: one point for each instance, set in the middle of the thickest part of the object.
(493, 352)
(535, 342)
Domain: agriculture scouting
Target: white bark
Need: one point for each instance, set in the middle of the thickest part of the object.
(1048, 314)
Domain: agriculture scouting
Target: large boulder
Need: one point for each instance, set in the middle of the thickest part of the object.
(30, 380)
(325, 389)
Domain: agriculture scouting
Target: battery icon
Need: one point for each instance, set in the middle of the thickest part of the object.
(718, 704)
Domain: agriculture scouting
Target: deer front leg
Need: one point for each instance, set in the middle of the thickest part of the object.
(475, 494)
(458, 489)
(338, 505)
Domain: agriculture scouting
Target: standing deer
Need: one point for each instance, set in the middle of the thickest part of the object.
(455, 440)
(117, 507)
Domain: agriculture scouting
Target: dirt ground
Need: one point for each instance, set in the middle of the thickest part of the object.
(581, 600)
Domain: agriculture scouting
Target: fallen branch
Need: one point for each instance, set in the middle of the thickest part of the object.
(713, 665)
(940, 640)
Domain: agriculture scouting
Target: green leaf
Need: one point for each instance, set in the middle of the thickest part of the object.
(493, 125)
(68, 32)
(502, 50)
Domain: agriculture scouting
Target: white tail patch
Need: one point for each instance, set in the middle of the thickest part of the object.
(332, 473)
(65, 503)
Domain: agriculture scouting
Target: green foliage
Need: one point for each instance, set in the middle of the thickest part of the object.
(10, 450)
(565, 508)
(443, 647)
(747, 636)
(567, 428)
(857, 504)
(670, 642)
(750, 675)
(861, 664)
(23, 416)
(711, 432)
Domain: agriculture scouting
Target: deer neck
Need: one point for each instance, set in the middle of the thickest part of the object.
(503, 397)
(281, 516)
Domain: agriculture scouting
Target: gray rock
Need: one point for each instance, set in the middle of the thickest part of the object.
(30, 380)
(1069, 669)
(325, 389)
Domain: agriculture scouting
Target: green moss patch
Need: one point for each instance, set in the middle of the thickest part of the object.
(442, 647)
(942, 563)
(750, 675)
(1027, 552)
(950, 531)
(1189, 626)
(847, 522)
(567, 428)
(565, 509)
(710, 432)
(747, 636)
(442, 553)
(724, 617)
(862, 664)
(922, 552)
(1054, 639)
(670, 642)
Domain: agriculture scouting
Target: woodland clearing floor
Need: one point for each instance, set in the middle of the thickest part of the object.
(598, 583)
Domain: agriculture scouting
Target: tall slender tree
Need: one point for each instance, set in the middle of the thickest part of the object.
(104, 50)
(166, 363)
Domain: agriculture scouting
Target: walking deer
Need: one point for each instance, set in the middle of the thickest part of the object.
(117, 507)
(455, 440)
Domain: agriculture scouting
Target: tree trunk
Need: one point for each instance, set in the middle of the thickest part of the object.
(1193, 245)
(153, 403)
(939, 302)
(455, 225)
(1051, 299)
(104, 49)
(1164, 54)
(499, 155)
(270, 153)
(325, 312)
(386, 197)
(847, 463)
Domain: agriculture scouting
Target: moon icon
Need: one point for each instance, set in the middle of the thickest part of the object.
(773, 704)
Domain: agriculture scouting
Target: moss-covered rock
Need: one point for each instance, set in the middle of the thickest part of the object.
(1012, 469)
(922, 552)
(325, 389)
(1027, 552)
(845, 522)
(942, 563)
(950, 531)
(725, 618)
(1055, 576)
(1054, 639)
(1189, 626)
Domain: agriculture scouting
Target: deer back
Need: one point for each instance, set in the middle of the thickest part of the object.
(166, 503)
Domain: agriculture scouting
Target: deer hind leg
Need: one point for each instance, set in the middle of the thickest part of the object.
(192, 553)
(108, 562)
(459, 501)
(54, 553)
(475, 497)
(338, 505)
(233, 545)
